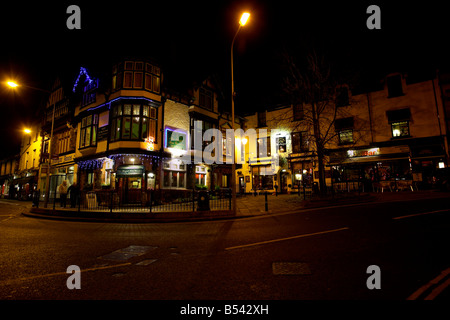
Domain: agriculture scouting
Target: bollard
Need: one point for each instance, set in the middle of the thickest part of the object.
(267, 206)
(150, 196)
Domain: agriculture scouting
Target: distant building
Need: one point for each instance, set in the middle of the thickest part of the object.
(395, 133)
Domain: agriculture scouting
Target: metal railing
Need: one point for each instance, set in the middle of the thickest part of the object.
(148, 201)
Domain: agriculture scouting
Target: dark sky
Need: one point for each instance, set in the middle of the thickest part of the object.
(194, 38)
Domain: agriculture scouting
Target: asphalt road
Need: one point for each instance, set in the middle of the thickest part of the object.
(318, 254)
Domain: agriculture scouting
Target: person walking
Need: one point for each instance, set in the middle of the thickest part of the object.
(74, 192)
(63, 193)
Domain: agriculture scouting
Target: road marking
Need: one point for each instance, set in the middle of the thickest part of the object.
(283, 239)
(433, 282)
(62, 273)
(419, 214)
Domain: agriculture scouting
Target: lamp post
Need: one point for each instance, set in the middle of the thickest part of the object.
(14, 85)
(242, 22)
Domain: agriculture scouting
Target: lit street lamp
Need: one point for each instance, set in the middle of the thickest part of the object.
(242, 22)
(14, 84)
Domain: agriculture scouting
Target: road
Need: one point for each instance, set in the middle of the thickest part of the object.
(317, 254)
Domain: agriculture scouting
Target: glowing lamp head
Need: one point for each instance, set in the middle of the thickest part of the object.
(27, 131)
(12, 84)
(244, 18)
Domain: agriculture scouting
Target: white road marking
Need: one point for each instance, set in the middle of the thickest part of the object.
(419, 214)
(283, 239)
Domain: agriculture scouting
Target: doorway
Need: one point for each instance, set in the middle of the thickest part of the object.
(284, 182)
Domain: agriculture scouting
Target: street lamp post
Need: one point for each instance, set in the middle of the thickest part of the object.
(242, 22)
(13, 84)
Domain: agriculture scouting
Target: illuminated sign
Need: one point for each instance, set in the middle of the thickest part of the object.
(175, 139)
(363, 152)
(130, 171)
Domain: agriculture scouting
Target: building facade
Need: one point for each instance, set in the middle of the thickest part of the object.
(394, 136)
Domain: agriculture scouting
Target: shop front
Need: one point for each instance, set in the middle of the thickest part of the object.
(263, 177)
(371, 169)
(302, 172)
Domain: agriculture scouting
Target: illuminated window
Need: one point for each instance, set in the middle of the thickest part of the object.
(174, 174)
(88, 132)
(346, 136)
(133, 122)
(400, 129)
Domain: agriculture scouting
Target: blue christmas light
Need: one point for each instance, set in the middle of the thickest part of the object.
(83, 71)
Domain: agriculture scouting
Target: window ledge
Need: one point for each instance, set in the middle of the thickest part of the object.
(401, 137)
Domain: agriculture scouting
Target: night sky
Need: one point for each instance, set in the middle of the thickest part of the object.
(191, 39)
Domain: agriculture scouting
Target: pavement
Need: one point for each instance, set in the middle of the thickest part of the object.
(246, 206)
(256, 205)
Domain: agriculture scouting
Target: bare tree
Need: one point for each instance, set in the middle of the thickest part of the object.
(319, 92)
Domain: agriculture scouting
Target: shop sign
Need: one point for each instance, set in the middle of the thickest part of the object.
(63, 159)
(363, 152)
(102, 133)
(130, 171)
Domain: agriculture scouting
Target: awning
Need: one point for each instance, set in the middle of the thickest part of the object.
(130, 171)
(368, 159)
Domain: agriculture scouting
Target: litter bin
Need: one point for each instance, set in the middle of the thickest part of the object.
(203, 201)
(35, 198)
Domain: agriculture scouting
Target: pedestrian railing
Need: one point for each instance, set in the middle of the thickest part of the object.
(148, 201)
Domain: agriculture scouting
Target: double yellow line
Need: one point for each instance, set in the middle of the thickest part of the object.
(435, 282)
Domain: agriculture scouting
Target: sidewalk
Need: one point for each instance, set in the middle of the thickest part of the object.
(250, 205)
(247, 206)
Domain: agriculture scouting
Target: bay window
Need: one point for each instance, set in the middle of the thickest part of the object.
(135, 121)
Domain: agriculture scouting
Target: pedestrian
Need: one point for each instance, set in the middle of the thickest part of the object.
(74, 192)
(63, 193)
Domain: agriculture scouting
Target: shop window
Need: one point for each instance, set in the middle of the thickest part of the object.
(224, 181)
(200, 179)
(174, 175)
(90, 177)
(400, 129)
(88, 131)
(346, 136)
(262, 178)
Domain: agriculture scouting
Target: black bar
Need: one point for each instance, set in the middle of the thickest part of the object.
(267, 205)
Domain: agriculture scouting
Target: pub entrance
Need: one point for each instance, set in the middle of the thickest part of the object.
(131, 183)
